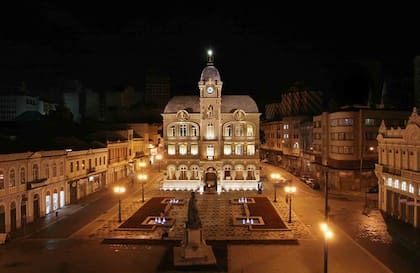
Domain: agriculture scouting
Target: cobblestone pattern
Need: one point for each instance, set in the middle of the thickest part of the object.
(216, 213)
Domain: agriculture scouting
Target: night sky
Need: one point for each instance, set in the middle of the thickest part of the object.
(340, 50)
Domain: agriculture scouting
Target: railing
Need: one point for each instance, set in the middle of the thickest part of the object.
(393, 171)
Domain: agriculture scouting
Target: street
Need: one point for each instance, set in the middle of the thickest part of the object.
(361, 243)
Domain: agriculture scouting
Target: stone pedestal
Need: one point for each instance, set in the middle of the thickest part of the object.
(194, 251)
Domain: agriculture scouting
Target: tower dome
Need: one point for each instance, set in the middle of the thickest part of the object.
(210, 71)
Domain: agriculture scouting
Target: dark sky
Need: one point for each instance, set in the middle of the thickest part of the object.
(340, 49)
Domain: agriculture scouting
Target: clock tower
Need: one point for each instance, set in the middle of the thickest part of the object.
(210, 86)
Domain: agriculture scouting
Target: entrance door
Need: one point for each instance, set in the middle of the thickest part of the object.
(211, 180)
(73, 192)
(13, 217)
(36, 207)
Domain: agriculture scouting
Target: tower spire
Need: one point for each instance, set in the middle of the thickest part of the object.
(209, 57)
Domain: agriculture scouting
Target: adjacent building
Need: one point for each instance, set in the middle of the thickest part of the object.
(211, 141)
(398, 170)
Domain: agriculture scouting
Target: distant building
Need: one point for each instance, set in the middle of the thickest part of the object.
(13, 105)
(211, 141)
(398, 169)
(345, 145)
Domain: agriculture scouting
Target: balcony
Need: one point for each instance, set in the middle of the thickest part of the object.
(36, 183)
(91, 170)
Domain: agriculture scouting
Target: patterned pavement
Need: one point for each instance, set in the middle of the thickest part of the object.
(216, 212)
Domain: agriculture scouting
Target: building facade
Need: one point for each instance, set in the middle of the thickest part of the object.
(32, 185)
(398, 170)
(211, 141)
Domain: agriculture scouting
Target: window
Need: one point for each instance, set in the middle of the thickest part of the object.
(194, 172)
(249, 130)
(71, 167)
(404, 186)
(228, 130)
(183, 173)
(194, 149)
(238, 149)
(172, 131)
(54, 169)
(194, 131)
(285, 126)
(183, 130)
(389, 182)
(210, 131)
(171, 149)
(77, 166)
(240, 130)
(396, 184)
(410, 188)
(250, 149)
(369, 122)
(83, 164)
(35, 174)
(1, 180)
(210, 152)
(227, 149)
(22, 176)
(182, 149)
(285, 136)
(12, 178)
(61, 168)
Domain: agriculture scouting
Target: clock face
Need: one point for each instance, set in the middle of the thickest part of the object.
(210, 90)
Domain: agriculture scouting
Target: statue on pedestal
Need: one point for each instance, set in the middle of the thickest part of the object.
(193, 221)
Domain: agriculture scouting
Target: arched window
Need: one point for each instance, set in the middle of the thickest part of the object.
(12, 178)
(35, 172)
(22, 176)
(71, 167)
(194, 172)
(183, 173)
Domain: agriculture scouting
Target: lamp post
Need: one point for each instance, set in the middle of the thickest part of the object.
(326, 209)
(327, 235)
(159, 158)
(119, 190)
(275, 176)
(142, 178)
(290, 190)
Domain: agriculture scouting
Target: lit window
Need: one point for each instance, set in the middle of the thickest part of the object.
(250, 149)
(286, 126)
(410, 188)
(194, 172)
(171, 149)
(228, 130)
(210, 152)
(249, 130)
(396, 184)
(227, 149)
(182, 149)
(1, 180)
(296, 145)
(286, 136)
(238, 149)
(210, 131)
(389, 182)
(404, 186)
(194, 149)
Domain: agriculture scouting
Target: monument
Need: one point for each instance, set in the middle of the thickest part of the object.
(194, 250)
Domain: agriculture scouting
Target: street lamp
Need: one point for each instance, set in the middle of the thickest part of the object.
(290, 190)
(159, 158)
(119, 190)
(327, 235)
(142, 178)
(275, 176)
